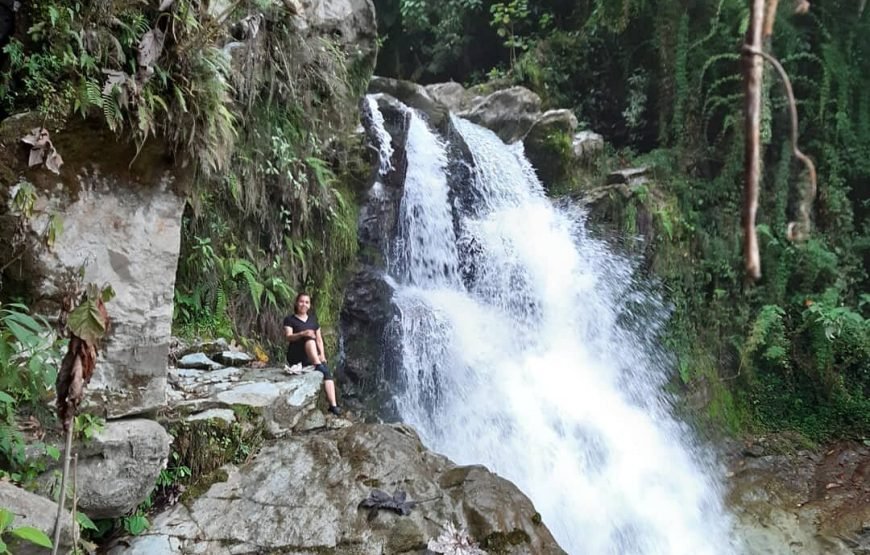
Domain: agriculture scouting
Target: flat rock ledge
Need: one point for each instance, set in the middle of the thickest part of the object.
(300, 495)
(285, 402)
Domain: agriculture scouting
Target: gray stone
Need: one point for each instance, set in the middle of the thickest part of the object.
(258, 395)
(587, 145)
(285, 402)
(118, 467)
(296, 401)
(227, 415)
(234, 358)
(301, 495)
(452, 95)
(121, 219)
(33, 510)
(350, 23)
(129, 240)
(315, 420)
(628, 176)
(412, 95)
(510, 113)
(562, 121)
(198, 361)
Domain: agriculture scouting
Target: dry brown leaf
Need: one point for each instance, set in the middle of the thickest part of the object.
(75, 372)
(37, 138)
(53, 161)
(150, 47)
(37, 155)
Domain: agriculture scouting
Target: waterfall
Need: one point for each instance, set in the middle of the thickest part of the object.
(528, 347)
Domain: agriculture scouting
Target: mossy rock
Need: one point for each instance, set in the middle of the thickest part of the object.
(206, 445)
(503, 542)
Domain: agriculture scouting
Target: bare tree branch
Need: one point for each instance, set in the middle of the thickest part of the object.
(798, 230)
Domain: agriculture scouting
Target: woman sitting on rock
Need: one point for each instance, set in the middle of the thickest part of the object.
(306, 345)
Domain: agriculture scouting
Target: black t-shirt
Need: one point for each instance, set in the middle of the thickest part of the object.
(296, 349)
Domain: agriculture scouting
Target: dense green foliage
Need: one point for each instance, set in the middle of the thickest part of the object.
(29, 355)
(663, 78)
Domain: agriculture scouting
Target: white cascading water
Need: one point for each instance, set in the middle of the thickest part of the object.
(541, 363)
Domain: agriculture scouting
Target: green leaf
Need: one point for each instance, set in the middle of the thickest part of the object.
(85, 522)
(136, 524)
(52, 452)
(6, 398)
(32, 535)
(6, 518)
(21, 334)
(87, 322)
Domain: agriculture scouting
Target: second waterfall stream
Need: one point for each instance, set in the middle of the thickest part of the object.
(528, 347)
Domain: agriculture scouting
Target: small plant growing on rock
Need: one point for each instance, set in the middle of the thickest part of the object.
(454, 541)
(25, 533)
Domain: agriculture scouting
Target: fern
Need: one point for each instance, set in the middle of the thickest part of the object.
(766, 335)
(249, 273)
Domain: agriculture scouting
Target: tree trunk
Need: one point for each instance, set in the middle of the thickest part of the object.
(754, 72)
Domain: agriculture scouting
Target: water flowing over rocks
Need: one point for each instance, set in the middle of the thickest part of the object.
(300, 495)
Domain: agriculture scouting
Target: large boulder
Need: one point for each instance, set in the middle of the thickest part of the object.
(118, 467)
(350, 23)
(302, 495)
(549, 148)
(412, 95)
(510, 112)
(38, 512)
(121, 226)
(454, 96)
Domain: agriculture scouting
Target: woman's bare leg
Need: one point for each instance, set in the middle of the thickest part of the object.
(329, 387)
(314, 358)
(311, 351)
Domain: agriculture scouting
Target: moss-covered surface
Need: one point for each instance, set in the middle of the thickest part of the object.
(204, 446)
(503, 542)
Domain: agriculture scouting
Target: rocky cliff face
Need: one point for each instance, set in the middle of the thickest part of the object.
(121, 224)
(303, 494)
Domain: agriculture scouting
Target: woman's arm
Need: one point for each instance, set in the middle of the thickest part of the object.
(304, 334)
(320, 348)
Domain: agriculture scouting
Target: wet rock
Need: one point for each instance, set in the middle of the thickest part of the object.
(365, 314)
(414, 96)
(301, 495)
(198, 361)
(782, 498)
(118, 467)
(33, 510)
(549, 148)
